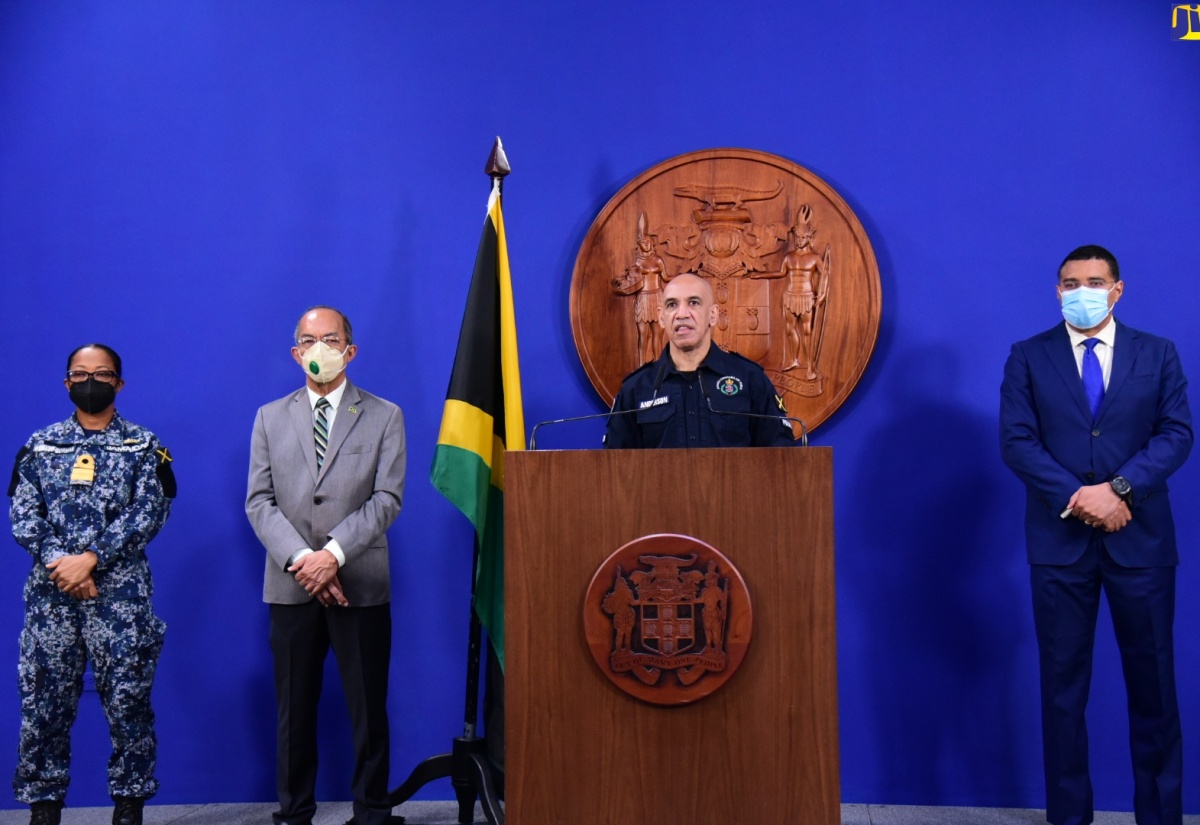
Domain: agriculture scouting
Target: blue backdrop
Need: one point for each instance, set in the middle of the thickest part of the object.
(180, 180)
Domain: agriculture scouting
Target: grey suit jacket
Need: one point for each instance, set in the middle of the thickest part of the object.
(353, 499)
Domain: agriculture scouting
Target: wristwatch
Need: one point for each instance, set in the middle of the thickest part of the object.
(1124, 489)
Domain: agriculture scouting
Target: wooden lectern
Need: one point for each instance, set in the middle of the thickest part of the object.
(761, 750)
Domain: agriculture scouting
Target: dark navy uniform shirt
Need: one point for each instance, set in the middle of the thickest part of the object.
(672, 407)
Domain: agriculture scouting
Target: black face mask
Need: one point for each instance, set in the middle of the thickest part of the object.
(93, 396)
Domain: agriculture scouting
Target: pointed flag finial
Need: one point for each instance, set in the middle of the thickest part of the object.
(497, 164)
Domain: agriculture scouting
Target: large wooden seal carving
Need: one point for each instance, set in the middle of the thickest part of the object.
(795, 278)
(668, 619)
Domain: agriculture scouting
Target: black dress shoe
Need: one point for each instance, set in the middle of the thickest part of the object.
(393, 819)
(128, 810)
(45, 813)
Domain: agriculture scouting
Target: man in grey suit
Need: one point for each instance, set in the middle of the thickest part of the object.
(326, 481)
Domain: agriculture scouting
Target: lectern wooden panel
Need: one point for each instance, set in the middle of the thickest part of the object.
(761, 750)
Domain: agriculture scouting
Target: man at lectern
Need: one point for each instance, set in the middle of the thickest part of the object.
(695, 394)
(1093, 419)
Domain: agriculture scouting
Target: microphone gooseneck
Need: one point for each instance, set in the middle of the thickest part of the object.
(780, 418)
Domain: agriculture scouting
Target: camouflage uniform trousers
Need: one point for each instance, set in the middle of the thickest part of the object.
(122, 639)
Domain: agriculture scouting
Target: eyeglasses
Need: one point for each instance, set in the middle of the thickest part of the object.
(331, 340)
(103, 376)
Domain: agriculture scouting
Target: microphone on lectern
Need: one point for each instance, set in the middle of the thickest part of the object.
(780, 418)
(658, 380)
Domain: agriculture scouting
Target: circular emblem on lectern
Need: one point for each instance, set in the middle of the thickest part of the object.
(794, 276)
(668, 619)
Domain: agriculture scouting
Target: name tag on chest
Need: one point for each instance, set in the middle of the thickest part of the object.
(654, 402)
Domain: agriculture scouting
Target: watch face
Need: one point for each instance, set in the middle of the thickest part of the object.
(1120, 486)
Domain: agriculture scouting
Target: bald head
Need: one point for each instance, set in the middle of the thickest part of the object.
(687, 283)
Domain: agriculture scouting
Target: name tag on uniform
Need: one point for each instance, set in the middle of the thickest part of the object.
(84, 471)
(130, 445)
(654, 402)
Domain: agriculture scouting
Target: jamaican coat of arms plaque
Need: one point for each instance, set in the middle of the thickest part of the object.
(793, 273)
(668, 619)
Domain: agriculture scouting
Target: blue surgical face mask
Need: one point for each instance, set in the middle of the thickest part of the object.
(1085, 307)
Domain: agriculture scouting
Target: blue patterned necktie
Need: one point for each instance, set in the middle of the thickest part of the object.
(321, 429)
(1093, 376)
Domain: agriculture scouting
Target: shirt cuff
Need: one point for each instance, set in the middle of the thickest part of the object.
(336, 550)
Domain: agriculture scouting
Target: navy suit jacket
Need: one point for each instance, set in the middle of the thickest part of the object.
(1143, 433)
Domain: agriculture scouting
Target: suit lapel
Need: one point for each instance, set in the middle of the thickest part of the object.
(348, 413)
(302, 420)
(1060, 353)
(1124, 354)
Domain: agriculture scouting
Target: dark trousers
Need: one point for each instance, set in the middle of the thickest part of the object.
(1142, 603)
(361, 638)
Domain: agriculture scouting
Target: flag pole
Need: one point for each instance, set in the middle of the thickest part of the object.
(467, 764)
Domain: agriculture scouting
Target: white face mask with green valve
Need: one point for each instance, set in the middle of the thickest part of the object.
(322, 363)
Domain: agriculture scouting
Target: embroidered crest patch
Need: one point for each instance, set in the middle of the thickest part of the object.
(729, 385)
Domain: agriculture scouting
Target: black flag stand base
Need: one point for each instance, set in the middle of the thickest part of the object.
(470, 774)
(467, 763)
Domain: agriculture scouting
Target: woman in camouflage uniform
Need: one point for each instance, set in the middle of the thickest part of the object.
(88, 494)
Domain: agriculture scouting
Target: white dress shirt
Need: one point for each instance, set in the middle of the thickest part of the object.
(1103, 350)
(334, 398)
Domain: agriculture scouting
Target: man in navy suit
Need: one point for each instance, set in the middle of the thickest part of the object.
(1093, 419)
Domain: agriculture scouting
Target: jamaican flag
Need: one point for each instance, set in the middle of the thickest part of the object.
(483, 417)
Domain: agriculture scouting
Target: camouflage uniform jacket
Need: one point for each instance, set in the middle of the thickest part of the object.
(114, 510)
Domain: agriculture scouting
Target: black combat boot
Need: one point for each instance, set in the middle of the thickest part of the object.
(128, 810)
(46, 813)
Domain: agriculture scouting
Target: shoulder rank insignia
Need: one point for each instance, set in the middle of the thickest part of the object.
(84, 471)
